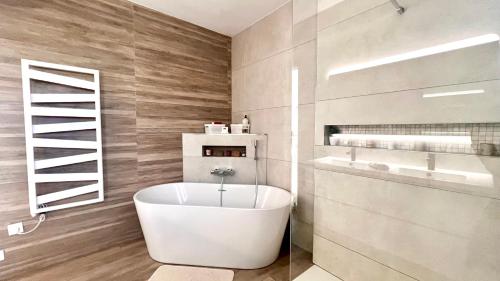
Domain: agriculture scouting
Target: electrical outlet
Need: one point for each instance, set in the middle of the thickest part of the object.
(15, 228)
(2, 255)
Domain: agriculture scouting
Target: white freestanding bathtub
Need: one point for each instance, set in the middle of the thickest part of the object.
(183, 223)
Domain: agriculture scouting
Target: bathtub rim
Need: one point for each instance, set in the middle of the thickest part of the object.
(288, 205)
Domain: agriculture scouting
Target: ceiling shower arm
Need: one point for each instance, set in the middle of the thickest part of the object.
(398, 7)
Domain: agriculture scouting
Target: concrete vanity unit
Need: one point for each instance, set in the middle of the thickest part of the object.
(469, 174)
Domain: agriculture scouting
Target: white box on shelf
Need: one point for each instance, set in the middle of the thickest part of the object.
(240, 128)
(236, 128)
(212, 129)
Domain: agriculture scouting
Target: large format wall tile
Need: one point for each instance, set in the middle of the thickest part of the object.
(267, 83)
(238, 49)
(303, 213)
(473, 64)
(382, 32)
(305, 31)
(274, 122)
(450, 212)
(331, 12)
(262, 70)
(406, 246)
(338, 47)
(239, 98)
(305, 207)
(409, 107)
(370, 229)
(265, 38)
(306, 178)
(302, 234)
(306, 134)
(271, 35)
(350, 265)
(304, 10)
(304, 61)
(304, 21)
(278, 173)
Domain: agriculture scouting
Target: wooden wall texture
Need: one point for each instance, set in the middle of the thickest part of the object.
(160, 76)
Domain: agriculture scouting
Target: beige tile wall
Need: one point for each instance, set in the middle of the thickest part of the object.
(373, 229)
(353, 32)
(263, 57)
(426, 233)
(262, 65)
(196, 168)
(304, 61)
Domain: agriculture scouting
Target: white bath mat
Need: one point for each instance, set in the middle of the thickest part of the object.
(189, 273)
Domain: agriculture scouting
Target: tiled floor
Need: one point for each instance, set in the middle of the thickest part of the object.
(315, 273)
(131, 262)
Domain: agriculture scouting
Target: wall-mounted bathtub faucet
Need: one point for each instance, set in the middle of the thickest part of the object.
(222, 172)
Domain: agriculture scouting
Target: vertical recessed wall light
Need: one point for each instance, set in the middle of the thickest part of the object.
(456, 45)
(456, 93)
(295, 135)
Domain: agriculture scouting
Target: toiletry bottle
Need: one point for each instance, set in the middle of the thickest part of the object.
(246, 125)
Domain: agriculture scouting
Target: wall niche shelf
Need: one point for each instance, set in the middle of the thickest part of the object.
(223, 151)
(455, 138)
(235, 151)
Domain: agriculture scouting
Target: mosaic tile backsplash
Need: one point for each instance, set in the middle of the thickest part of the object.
(478, 133)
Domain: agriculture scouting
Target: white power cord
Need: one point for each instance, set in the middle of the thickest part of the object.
(41, 218)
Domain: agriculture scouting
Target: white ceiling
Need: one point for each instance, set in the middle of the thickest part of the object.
(228, 17)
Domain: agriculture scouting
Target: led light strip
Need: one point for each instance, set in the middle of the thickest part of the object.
(407, 138)
(456, 45)
(295, 135)
(457, 93)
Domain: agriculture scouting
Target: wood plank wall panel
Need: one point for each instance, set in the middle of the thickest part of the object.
(190, 68)
(159, 77)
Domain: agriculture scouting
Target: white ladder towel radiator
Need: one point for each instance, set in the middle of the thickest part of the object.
(52, 105)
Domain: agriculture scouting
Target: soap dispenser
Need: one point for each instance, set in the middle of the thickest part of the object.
(246, 125)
